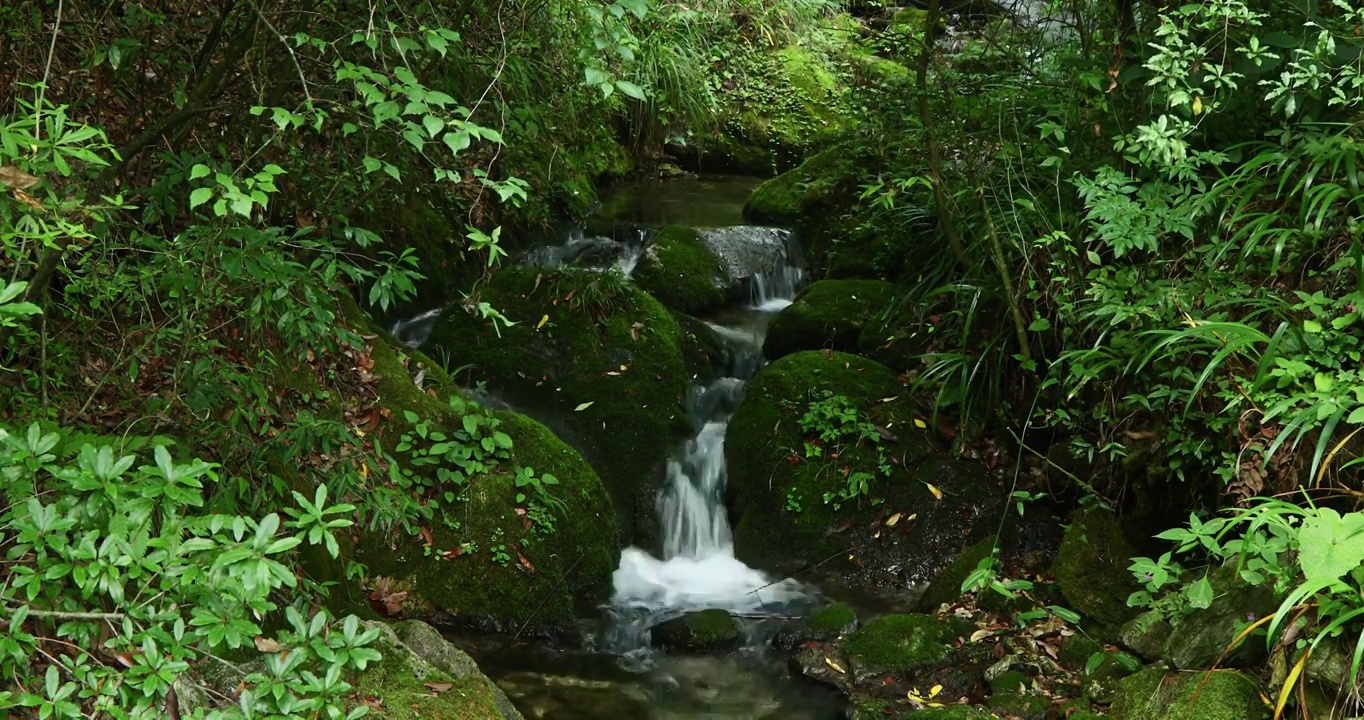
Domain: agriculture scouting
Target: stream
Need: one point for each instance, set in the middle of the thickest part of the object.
(618, 674)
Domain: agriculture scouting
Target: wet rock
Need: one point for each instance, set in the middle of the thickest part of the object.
(679, 270)
(1101, 680)
(747, 252)
(475, 588)
(1019, 706)
(1146, 634)
(904, 645)
(792, 503)
(1091, 568)
(797, 196)
(827, 624)
(1199, 638)
(1077, 650)
(565, 697)
(829, 314)
(401, 680)
(698, 633)
(591, 354)
(946, 584)
(1152, 694)
(824, 663)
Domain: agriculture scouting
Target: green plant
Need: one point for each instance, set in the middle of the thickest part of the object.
(833, 425)
(117, 580)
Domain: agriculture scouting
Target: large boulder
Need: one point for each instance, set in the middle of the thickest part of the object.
(1091, 568)
(489, 557)
(421, 675)
(825, 455)
(1199, 639)
(592, 356)
(828, 314)
(800, 195)
(680, 271)
(1152, 694)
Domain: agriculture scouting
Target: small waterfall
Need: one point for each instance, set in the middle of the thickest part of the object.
(698, 569)
(590, 253)
(414, 331)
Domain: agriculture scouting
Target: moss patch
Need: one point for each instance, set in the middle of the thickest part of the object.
(475, 584)
(397, 682)
(707, 631)
(835, 618)
(1154, 695)
(828, 314)
(605, 367)
(1091, 568)
(796, 196)
(680, 271)
(946, 585)
(903, 643)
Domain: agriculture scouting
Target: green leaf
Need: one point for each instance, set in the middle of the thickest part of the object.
(1356, 417)
(631, 89)
(582, 407)
(1311, 326)
(1039, 325)
(1330, 545)
(457, 141)
(433, 125)
(595, 76)
(1199, 593)
(199, 171)
(199, 197)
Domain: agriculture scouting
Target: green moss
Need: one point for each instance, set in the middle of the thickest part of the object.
(430, 228)
(1091, 568)
(828, 314)
(1154, 695)
(796, 196)
(1077, 650)
(398, 681)
(903, 643)
(707, 631)
(1019, 705)
(834, 618)
(592, 352)
(769, 478)
(1010, 681)
(680, 271)
(945, 587)
(704, 353)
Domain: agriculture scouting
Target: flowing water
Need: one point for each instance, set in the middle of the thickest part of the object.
(619, 675)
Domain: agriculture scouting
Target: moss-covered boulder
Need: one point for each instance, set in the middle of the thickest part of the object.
(698, 633)
(1091, 568)
(1198, 639)
(423, 676)
(1019, 706)
(946, 584)
(797, 196)
(813, 427)
(829, 314)
(1101, 678)
(1152, 694)
(680, 271)
(591, 355)
(824, 625)
(903, 644)
(496, 564)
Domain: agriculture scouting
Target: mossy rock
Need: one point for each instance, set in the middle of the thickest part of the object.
(946, 585)
(1019, 706)
(1146, 634)
(399, 681)
(593, 356)
(795, 197)
(572, 565)
(903, 644)
(432, 229)
(778, 490)
(698, 633)
(1152, 694)
(681, 272)
(825, 625)
(1077, 650)
(1101, 681)
(1197, 641)
(880, 709)
(1091, 568)
(829, 314)
(704, 353)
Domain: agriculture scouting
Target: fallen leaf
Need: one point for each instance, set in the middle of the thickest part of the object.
(542, 322)
(892, 520)
(27, 199)
(266, 645)
(525, 562)
(934, 691)
(438, 688)
(920, 424)
(426, 537)
(934, 489)
(979, 635)
(13, 177)
(835, 666)
(584, 406)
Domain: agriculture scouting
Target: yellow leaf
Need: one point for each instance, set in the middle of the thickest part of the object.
(890, 521)
(934, 489)
(835, 666)
(364, 471)
(542, 322)
(934, 692)
(1198, 106)
(1289, 683)
(920, 424)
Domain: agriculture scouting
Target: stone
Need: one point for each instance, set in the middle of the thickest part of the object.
(902, 644)
(1146, 634)
(824, 625)
(1199, 639)
(1091, 568)
(572, 563)
(829, 314)
(399, 681)
(593, 357)
(1101, 682)
(1154, 694)
(681, 272)
(699, 633)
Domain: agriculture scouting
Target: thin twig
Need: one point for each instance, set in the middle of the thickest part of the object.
(302, 78)
(51, 614)
(549, 594)
(47, 73)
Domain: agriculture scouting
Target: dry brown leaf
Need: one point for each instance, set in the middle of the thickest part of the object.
(892, 520)
(838, 669)
(13, 177)
(438, 688)
(525, 561)
(27, 199)
(266, 645)
(934, 489)
(979, 635)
